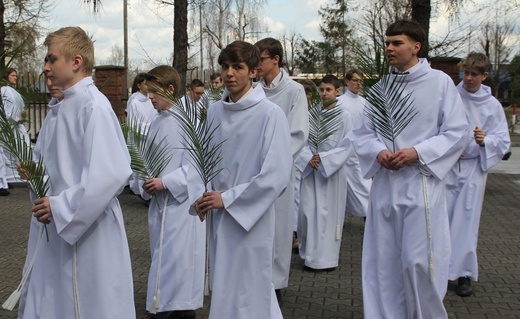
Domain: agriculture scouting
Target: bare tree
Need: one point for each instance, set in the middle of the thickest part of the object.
(291, 45)
(19, 28)
(495, 36)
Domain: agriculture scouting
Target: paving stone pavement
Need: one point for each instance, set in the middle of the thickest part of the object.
(335, 294)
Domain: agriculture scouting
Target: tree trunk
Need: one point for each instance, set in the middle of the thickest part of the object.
(2, 38)
(180, 40)
(421, 12)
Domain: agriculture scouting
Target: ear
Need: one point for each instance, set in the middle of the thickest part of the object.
(484, 76)
(416, 48)
(77, 62)
(252, 73)
(276, 59)
(171, 89)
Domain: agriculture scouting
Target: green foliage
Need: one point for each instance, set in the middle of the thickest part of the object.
(308, 57)
(389, 107)
(14, 143)
(323, 122)
(204, 153)
(514, 71)
(149, 156)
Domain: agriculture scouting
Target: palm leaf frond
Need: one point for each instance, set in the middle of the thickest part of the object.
(148, 155)
(390, 108)
(323, 122)
(198, 134)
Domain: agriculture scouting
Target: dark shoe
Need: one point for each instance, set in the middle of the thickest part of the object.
(278, 293)
(464, 288)
(4, 192)
(183, 314)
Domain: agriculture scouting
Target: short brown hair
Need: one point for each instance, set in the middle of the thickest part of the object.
(273, 47)
(164, 76)
(410, 28)
(74, 41)
(475, 60)
(240, 51)
(350, 74)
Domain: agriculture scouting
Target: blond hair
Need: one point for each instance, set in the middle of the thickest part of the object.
(74, 41)
(475, 60)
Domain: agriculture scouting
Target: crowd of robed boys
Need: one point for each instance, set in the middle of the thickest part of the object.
(414, 190)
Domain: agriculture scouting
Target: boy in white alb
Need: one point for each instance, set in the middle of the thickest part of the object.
(84, 269)
(466, 182)
(323, 188)
(177, 239)
(256, 163)
(406, 247)
(358, 188)
(290, 96)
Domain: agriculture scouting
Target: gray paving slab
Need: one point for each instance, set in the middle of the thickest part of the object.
(336, 294)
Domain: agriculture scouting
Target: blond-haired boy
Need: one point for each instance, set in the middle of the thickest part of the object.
(84, 269)
(466, 182)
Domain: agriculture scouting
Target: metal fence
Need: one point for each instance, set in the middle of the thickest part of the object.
(36, 97)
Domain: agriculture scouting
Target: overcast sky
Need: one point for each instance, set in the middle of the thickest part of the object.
(150, 28)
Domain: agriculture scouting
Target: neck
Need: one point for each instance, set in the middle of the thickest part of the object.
(268, 78)
(409, 65)
(471, 91)
(72, 81)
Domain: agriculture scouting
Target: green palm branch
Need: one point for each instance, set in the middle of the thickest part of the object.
(209, 96)
(390, 108)
(15, 143)
(323, 122)
(148, 155)
(198, 136)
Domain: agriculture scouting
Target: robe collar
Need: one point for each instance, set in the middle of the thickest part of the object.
(278, 83)
(78, 87)
(350, 94)
(250, 99)
(141, 97)
(481, 95)
(413, 73)
(54, 105)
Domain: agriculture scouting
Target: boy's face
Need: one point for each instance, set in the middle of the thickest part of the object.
(54, 90)
(196, 93)
(401, 51)
(267, 64)
(159, 102)
(12, 78)
(237, 78)
(355, 84)
(328, 91)
(143, 87)
(472, 79)
(60, 71)
(216, 83)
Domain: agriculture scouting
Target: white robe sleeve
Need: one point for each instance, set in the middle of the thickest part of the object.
(367, 146)
(440, 152)
(496, 141)
(106, 169)
(335, 158)
(177, 181)
(302, 161)
(248, 202)
(299, 123)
